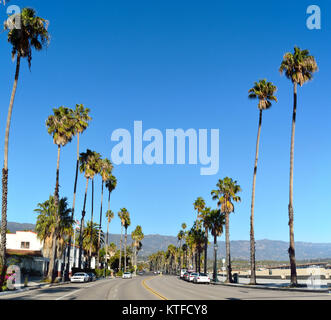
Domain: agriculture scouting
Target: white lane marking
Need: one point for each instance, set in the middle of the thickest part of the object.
(70, 293)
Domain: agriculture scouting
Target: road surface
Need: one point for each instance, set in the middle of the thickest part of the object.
(157, 288)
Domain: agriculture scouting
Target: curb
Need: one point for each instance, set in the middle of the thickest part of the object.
(263, 287)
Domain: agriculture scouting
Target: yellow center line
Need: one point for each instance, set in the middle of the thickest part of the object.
(151, 290)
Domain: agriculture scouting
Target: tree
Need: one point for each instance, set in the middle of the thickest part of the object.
(109, 216)
(298, 67)
(88, 166)
(80, 122)
(122, 214)
(106, 168)
(127, 223)
(215, 221)
(60, 127)
(199, 205)
(47, 222)
(32, 34)
(180, 237)
(90, 238)
(137, 236)
(204, 217)
(264, 91)
(225, 193)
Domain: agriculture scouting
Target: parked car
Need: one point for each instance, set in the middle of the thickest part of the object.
(92, 276)
(202, 278)
(182, 272)
(80, 277)
(127, 275)
(192, 276)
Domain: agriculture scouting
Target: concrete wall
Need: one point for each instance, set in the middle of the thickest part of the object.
(14, 241)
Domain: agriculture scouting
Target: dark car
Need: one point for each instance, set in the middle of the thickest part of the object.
(92, 276)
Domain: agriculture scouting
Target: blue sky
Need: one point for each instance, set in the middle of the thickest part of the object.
(175, 64)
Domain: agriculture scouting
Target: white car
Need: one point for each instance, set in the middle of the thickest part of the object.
(80, 277)
(127, 275)
(192, 276)
(201, 278)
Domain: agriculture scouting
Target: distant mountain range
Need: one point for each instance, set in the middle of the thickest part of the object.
(265, 249)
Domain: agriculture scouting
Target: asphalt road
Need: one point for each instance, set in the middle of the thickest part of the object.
(157, 288)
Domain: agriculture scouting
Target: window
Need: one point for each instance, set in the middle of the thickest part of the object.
(25, 245)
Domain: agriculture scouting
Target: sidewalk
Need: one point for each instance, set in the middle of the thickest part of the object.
(277, 284)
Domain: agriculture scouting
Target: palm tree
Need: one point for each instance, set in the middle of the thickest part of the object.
(215, 221)
(137, 236)
(127, 223)
(198, 238)
(109, 216)
(298, 67)
(88, 165)
(122, 214)
(184, 226)
(225, 193)
(90, 238)
(31, 35)
(204, 217)
(199, 205)
(47, 222)
(80, 121)
(106, 168)
(59, 126)
(180, 237)
(264, 91)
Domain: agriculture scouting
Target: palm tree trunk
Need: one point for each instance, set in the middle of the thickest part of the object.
(228, 256)
(206, 248)
(82, 228)
(252, 237)
(291, 249)
(91, 244)
(51, 271)
(73, 211)
(3, 260)
(106, 264)
(99, 237)
(215, 259)
(120, 261)
(125, 240)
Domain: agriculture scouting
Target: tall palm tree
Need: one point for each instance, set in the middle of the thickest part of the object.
(122, 215)
(225, 193)
(184, 226)
(137, 236)
(59, 126)
(264, 91)
(215, 221)
(88, 166)
(127, 223)
(106, 168)
(180, 237)
(32, 34)
(80, 122)
(204, 217)
(199, 204)
(298, 67)
(109, 216)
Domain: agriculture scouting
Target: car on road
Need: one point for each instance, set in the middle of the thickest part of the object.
(92, 276)
(202, 278)
(191, 276)
(127, 275)
(80, 277)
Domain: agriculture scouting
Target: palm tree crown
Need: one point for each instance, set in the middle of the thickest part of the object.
(31, 34)
(264, 91)
(299, 66)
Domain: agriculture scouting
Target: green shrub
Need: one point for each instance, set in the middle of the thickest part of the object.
(119, 274)
(99, 273)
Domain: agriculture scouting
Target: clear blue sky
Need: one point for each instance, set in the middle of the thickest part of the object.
(175, 64)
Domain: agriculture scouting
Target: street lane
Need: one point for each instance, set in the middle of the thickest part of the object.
(173, 288)
(157, 288)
